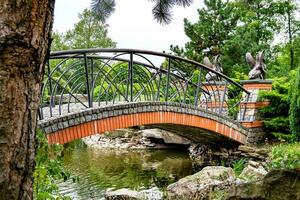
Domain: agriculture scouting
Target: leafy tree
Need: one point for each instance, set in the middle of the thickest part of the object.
(161, 10)
(257, 26)
(281, 65)
(89, 32)
(58, 42)
(294, 111)
(291, 26)
(215, 26)
(259, 23)
(232, 28)
(260, 17)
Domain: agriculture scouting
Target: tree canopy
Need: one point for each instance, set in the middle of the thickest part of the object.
(232, 28)
(89, 32)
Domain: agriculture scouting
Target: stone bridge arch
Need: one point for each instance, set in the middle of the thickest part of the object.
(176, 116)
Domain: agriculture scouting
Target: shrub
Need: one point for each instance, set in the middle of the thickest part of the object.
(294, 111)
(285, 156)
(48, 169)
(276, 115)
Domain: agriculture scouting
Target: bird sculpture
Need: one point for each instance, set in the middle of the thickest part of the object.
(258, 67)
(216, 66)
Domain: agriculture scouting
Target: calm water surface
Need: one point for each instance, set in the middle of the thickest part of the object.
(102, 170)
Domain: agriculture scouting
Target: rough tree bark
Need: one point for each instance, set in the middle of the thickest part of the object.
(25, 27)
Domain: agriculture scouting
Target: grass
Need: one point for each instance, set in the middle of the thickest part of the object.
(238, 166)
(285, 156)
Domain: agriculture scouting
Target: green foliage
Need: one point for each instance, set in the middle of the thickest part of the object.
(283, 137)
(58, 42)
(89, 32)
(260, 18)
(213, 28)
(232, 28)
(285, 156)
(48, 169)
(238, 166)
(275, 116)
(281, 65)
(282, 116)
(294, 111)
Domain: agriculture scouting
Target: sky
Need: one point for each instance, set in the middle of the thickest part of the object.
(132, 24)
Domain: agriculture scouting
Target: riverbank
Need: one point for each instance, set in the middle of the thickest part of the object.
(231, 173)
(221, 183)
(136, 139)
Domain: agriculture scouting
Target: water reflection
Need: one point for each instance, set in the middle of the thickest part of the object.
(99, 170)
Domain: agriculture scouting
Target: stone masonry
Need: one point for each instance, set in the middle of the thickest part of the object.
(248, 114)
(73, 126)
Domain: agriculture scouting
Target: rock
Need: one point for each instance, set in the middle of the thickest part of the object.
(262, 151)
(253, 152)
(221, 154)
(246, 149)
(254, 155)
(200, 185)
(224, 150)
(122, 194)
(236, 153)
(166, 136)
(253, 171)
(253, 163)
(276, 185)
(150, 145)
(202, 155)
(151, 194)
(127, 194)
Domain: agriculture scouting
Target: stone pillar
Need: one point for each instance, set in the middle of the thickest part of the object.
(248, 114)
(215, 98)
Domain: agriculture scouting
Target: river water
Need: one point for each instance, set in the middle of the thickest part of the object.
(102, 170)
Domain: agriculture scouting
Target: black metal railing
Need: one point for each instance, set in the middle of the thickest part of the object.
(80, 79)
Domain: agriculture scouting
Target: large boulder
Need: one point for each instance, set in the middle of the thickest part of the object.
(276, 185)
(202, 184)
(166, 136)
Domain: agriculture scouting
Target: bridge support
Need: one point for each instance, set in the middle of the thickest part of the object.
(248, 114)
(216, 98)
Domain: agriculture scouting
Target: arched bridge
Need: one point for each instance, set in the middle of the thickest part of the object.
(96, 90)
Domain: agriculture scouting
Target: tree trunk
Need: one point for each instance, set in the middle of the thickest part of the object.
(25, 27)
(290, 40)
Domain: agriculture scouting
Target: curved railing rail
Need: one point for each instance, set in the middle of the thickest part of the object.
(80, 79)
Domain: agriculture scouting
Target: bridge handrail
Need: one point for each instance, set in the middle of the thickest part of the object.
(57, 54)
(109, 76)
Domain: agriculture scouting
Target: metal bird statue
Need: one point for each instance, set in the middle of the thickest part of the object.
(258, 67)
(216, 66)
